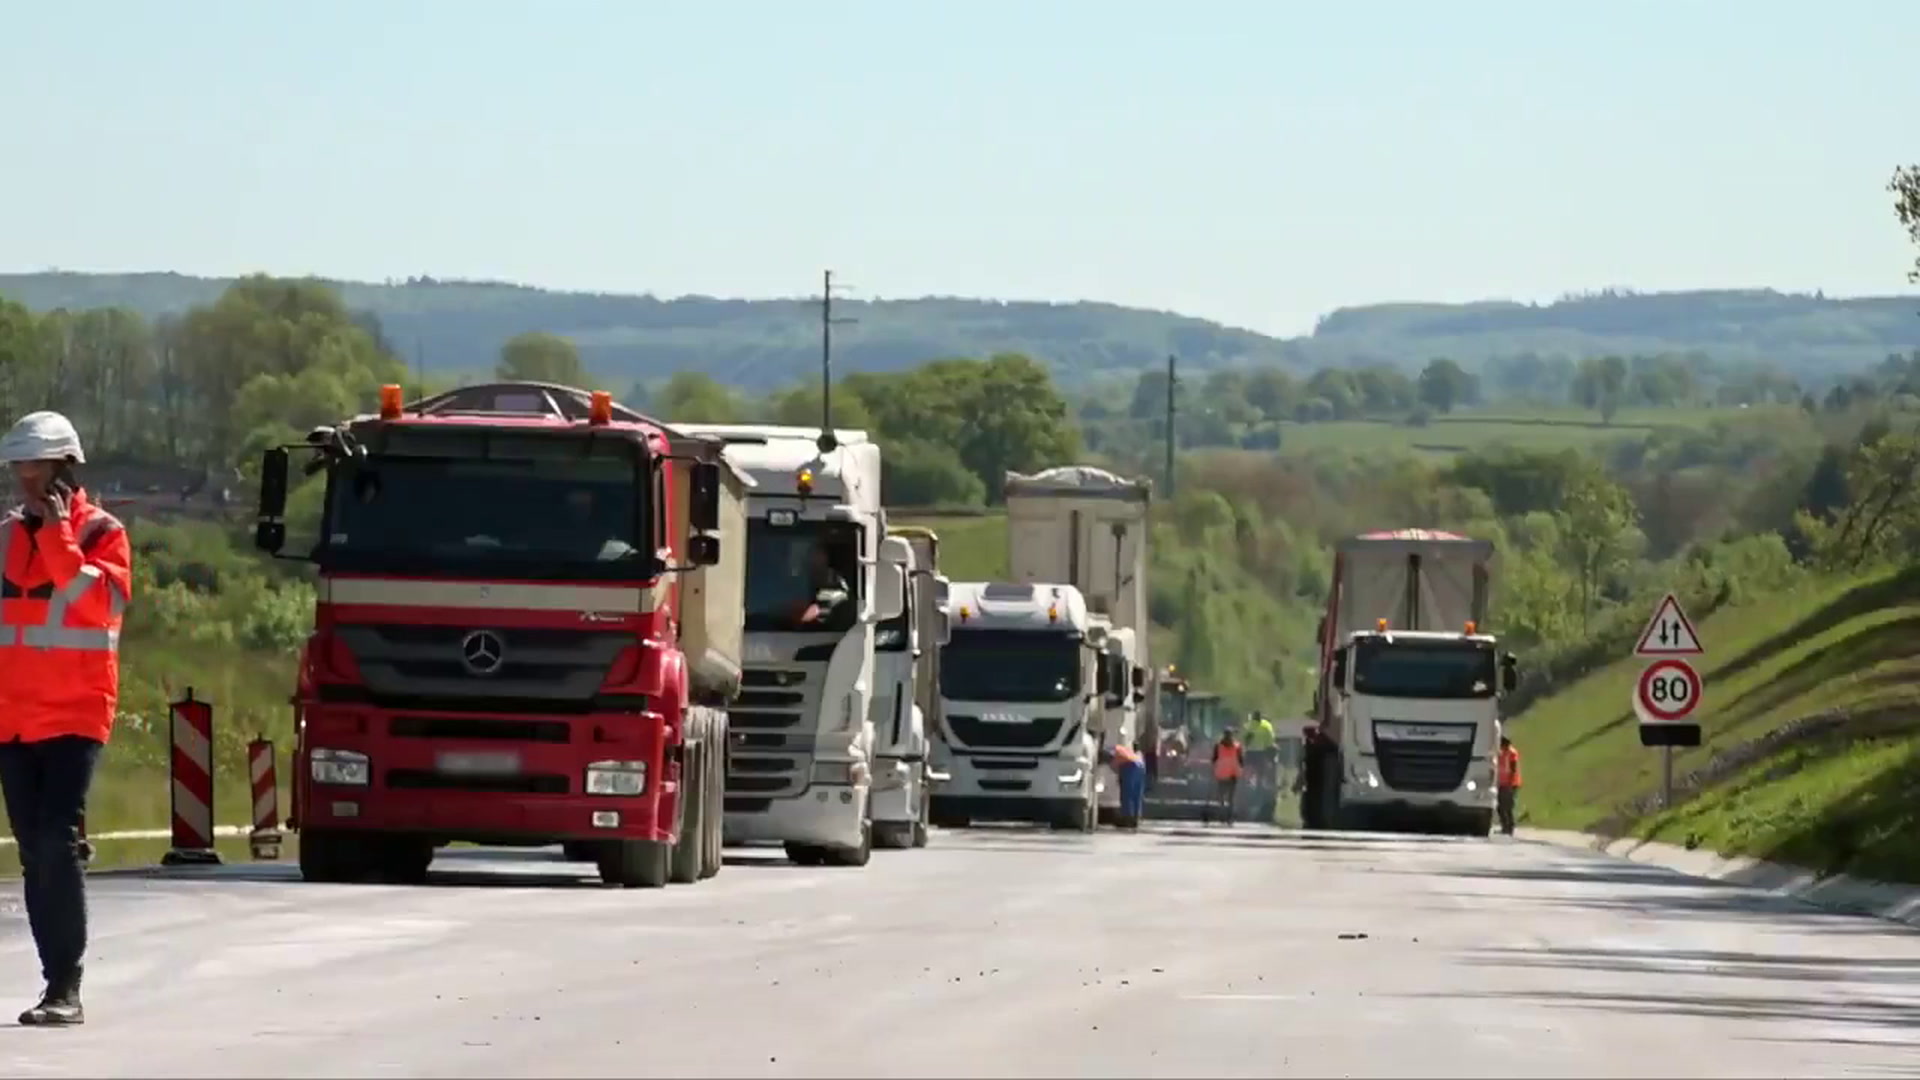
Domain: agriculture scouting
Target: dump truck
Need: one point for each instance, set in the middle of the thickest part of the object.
(1018, 698)
(1088, 528)
(800, 767)
(1407, 709)
(528, 632)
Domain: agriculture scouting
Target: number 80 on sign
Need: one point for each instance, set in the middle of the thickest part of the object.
(1667, 693)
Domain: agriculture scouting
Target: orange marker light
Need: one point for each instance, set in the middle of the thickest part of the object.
(1380, 625)
(390, 402)
(805, 481)
(600, 408)
(965, 613)
(1470, 626)
(1053, 614)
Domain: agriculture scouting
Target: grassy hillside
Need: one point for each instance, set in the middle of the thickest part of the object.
(458, 327)
(1531, 428)
(1812, 736)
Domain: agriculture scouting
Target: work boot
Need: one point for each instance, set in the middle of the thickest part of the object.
(59, 1007)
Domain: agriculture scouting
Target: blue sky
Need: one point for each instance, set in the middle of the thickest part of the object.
(1257, 163)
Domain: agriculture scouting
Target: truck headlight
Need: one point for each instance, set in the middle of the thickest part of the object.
(840, 773)
(347, 768)
(1068, 779)
(617, 778)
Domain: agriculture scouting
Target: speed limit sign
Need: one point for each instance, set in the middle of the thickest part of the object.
(1668, 692)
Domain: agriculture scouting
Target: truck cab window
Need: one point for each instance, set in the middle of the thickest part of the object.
(803, 577)
(1011, 665)
(1410, 669)
(891, 635)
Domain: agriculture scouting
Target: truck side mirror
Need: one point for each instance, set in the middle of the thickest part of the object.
(703, 550)
(1103, 676)
(889, 592)
(1139, 696)
(1340, 670)
(703, 497)
(1139, 680)
(270, 528)
(1509, 673)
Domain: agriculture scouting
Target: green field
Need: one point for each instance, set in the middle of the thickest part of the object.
(1445, 436)
(1842, 658)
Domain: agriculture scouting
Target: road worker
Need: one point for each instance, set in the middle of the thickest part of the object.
(1227, 767)
(1130, 766)
(1507, 783)
(68, 571)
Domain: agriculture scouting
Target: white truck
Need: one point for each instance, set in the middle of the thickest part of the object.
(902, 790)
(1407, 712)
(1017, 690)
(801, 748)
(1088, 527)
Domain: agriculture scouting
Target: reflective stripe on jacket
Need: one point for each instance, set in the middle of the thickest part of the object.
(63, 595)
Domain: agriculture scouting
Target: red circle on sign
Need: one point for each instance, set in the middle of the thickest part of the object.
(1660, 673)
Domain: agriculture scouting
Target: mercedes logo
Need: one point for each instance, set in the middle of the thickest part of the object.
(482, 652)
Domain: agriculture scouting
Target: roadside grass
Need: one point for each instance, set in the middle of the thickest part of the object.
(1811, 733)
(249, 692)
(973, 547)
(136, 854)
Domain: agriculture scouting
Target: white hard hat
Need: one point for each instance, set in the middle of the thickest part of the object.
(42, 436)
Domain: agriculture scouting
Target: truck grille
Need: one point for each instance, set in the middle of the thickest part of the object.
(771, 756)
(1427, 767)
(560, 670)
(975, 733)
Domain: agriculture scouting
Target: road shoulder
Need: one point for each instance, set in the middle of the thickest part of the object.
(1839, 892)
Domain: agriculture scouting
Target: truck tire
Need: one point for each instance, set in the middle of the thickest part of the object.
(893, 835)
(689, 845)
(805, 854)
(1481, 824)
(922, 830)
(853, 856)
(332, 857)
(403, 860)
(636, 864)
(713, 855)
(580, 851)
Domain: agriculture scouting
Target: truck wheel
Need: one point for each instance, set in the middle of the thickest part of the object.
(636, 864)
(403, 860)
(332, 857)
(853, 856)
(580, 851)
(1481, 824)
(921, 831)
(892, 835)
(689, 854)
(713, 857)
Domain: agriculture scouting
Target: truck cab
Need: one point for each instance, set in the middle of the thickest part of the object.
(1019, 684)
(902, 793)
(800, 767)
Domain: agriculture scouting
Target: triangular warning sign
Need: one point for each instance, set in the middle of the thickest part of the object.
(1669, 632)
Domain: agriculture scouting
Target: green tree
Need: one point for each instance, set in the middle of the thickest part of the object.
(1905, 188)
(801, 407)
(694, 397)
(1597, 535)
(1444, 384)
(541, 357)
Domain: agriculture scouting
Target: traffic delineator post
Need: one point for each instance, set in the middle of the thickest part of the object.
(190, 724)
(265, 838)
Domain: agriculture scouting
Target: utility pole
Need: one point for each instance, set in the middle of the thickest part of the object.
(828, 321)
(1172, 382)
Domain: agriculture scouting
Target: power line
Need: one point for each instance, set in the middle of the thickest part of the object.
(827, 322)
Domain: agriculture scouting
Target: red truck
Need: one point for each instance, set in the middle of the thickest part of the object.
(528, 633)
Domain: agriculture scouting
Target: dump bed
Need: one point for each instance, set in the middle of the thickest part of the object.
(1416, 579)
(712, 598)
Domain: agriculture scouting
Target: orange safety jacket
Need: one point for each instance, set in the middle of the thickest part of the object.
(1124, 755)
(1226, 761)
(65, 590)
(1508, 775)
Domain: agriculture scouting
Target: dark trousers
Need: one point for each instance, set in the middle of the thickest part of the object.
(1224, 789)
(1504, 798)
(45, 784)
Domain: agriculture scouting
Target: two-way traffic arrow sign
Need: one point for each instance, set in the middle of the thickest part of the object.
(1669, 632)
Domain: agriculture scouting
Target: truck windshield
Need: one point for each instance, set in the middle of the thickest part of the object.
(1010, 665)
(557, 517)
(803, 576)
(1409, 669)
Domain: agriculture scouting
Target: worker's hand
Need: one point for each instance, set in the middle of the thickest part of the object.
(811, 614)
(53, 506)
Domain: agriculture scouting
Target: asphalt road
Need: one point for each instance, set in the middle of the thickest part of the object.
(1176, 952)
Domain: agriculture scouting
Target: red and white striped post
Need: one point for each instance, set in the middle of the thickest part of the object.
(191, 722)
(265, 837)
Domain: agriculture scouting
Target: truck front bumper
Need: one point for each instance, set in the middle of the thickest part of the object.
(829, 815)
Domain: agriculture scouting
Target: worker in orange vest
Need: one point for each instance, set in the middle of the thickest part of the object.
(67, 580)
(1228, 762)
(1507, 783)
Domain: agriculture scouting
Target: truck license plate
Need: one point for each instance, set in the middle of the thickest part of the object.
(478, 763)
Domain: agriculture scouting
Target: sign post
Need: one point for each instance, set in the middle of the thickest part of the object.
(1669, 688)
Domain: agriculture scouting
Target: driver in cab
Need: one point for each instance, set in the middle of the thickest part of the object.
(828, 590)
